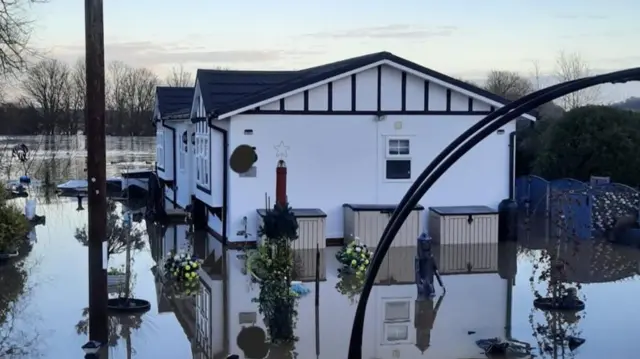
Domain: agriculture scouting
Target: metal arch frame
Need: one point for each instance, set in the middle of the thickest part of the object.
(449, 156)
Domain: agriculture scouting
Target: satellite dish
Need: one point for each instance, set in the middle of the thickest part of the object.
(242, 158)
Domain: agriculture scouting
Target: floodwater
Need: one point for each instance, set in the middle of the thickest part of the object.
(489, 293)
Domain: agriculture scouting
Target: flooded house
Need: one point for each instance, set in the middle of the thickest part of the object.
(356, 132)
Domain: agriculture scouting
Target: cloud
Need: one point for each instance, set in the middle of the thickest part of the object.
(150, 54)
(394, 31)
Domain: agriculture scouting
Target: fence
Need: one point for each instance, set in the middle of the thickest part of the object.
(587, 209)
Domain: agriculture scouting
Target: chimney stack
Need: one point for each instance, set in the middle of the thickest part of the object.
(281, 183)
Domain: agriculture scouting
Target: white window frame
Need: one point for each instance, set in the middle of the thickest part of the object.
(160, 148)
(203, 324)
(203, 177)
(392, 157)
(392, 324)
(184, 150)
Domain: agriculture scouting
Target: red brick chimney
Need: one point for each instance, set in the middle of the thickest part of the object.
(281, 183)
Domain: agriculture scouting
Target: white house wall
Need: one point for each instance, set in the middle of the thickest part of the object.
(184, 174)
(484, 312)
(165, 167)
(337, 147)
(337, 159)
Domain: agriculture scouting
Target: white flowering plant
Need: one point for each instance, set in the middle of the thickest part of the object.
(610, 205)
(354, 258)
(182, 270)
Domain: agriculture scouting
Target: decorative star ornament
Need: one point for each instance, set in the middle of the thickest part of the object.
(281, 150)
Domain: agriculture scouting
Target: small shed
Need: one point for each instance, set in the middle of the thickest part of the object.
(312, 223)
(463, 225)
(466, 258)
(398, 267)
(367, 222)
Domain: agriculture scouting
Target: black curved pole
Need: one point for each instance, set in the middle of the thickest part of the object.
(411, 198)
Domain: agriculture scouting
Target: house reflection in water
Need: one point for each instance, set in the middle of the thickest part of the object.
(478, 278)
(202, 316)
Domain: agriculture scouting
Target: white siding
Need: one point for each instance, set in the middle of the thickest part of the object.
(164, 149)
(340, 159)
(184, 171)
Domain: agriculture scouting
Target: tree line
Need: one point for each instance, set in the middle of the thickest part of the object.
(574, 137)
(53, 99)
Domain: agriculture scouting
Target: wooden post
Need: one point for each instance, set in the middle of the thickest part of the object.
(96, 170)
(281, 183)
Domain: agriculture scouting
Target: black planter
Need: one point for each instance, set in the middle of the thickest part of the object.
(128, 305)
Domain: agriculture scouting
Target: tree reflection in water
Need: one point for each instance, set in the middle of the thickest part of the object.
(16, 342)
(117, 233)
(120, 327)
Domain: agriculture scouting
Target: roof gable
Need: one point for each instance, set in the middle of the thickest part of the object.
(226, 93)
(173, 100)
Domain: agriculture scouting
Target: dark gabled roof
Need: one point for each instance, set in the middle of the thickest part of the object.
(172, 100)
(226, 91)
(222, 87)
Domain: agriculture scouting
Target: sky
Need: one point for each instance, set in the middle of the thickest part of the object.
(462, 38)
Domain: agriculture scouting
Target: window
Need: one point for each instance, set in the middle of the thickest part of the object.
(398, 162)
(184, 150)
(397, 314)
(202, 155)
(160, 148)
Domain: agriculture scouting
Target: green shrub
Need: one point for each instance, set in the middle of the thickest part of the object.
(13, 227)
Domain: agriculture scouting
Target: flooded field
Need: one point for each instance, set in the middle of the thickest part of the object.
(489, 293)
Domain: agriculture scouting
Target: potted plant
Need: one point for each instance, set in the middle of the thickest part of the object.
(354, 257)
(181, 269)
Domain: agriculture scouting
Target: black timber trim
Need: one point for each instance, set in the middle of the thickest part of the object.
(330, 96)
(448, 100)
(379, 88)
(426, 95)
(354, 87)
(325, 72)
(403, 92)
(364, 112)
(174, 158)
(282, 105)
(306, 100)
(470, 105)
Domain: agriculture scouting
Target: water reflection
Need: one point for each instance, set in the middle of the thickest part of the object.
(489, 294)
(59, 158)
(15, 340)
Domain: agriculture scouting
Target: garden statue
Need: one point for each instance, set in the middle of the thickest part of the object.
(425, 267)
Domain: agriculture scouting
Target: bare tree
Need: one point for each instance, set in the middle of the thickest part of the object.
(571, 66)
(179, 77)
(77, 94)
(46, 87)
(131, 96)
(15, 33)
(508, 84)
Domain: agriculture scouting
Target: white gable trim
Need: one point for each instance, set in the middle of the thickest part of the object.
(364, 68)
(194, 105)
